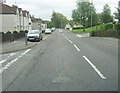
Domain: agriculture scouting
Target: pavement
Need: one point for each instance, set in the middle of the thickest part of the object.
(17, 45)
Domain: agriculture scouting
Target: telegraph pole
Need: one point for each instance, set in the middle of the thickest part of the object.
(91, 12)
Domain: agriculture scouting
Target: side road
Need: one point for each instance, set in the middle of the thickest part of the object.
(17, 45)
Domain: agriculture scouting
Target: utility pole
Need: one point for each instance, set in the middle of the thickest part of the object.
(91, 12)
(80, 16)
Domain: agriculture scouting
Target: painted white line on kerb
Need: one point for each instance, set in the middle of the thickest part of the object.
(12, 54)
(70, 41)
(77, 48)
(44, 38)
(14, 60)
(95, 68)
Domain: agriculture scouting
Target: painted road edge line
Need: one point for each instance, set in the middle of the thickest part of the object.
(95, 68)
(13, 61)
(12, 54)
(76, 47)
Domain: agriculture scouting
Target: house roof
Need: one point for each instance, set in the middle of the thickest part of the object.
(37, 20)
(19, 9)
(6, 9)
(33, 19)
(14, 9)
(24, 13)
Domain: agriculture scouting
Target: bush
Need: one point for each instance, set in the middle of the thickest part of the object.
(21, 34)
(93, 33)
(117, 26)
(15, 32)
(102, 27)
(26, 31)
(108, 26)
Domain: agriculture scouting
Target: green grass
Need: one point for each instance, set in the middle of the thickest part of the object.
(94, 28)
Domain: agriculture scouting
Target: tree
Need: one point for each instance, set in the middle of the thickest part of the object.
(106, 14)
(75, 16)
(59, 20)
(85, 14)
(49, 23)
(117, 14)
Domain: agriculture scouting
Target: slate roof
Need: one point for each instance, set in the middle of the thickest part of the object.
(6, 9)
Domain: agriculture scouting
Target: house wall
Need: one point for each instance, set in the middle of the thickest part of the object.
(18, 23)
(30, 24)
(25, 23)
(8, 22)
(35, 26)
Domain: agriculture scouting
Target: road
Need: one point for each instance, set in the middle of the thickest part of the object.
(63, 62)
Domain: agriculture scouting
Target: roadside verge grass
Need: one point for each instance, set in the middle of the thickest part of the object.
(90, 29)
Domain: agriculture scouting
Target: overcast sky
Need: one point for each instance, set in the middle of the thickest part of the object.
(44, 8)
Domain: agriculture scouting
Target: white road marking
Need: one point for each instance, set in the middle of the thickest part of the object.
(108, 38)
(79, 36)
(95, 68)
(44, 38)
(76, 47)
(14, 60)
(70, 41)
(67, 38)
(12, 54)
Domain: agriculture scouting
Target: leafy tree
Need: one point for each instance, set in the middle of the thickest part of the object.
(106, 14)
(117, 14)
(75, 16)
(59, 20)
(85, 14)
(49, 23)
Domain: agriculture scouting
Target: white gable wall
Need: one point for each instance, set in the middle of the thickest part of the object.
(8, 22)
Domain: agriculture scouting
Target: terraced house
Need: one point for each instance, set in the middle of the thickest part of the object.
(14, 19)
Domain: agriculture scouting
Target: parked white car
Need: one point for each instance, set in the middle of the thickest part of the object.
(48, 31)
(53, 29)
(34, 35)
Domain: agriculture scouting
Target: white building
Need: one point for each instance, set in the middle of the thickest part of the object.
(36, 23)
(9, 18)
(14, 19)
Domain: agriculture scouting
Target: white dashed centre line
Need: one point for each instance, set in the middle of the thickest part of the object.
(70, 41)
(95, 68)
(76, 47)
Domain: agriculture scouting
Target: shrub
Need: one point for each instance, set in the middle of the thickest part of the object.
(117, 26)
(102, 27)
(93, 33)
(26, 31)
(108, 26)
(15, 32)
(8, 32)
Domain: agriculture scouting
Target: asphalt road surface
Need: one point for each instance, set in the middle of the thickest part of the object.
(63, 62)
